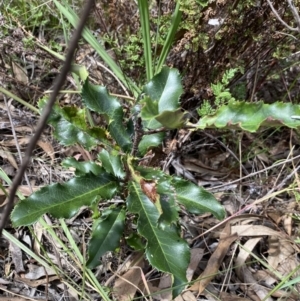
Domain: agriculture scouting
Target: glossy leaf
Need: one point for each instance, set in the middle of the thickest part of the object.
(118, 130)
(152, 124)
(166, 191)
(166, 88)
(150, 173)
(169, 209)
(112, 163)
(63, 200)
(97, 99)
(83, 167)
(168, 203)
(149, 108)
(171, 120)
(160, 106)
(106, 235)
(70, 127)
(150, 141)
(165, 250)
(250, 116)
(196, 199)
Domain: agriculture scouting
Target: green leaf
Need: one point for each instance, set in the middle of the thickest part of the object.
(63, 200)
(196, 199)
(150, 173)
(152, 124)
(171, 120)
(135, 242)
(83, 167)
(161, 106)
(165, 190)
(106, 235)
(165, 250)
(149, 109)
(166, 88)
(112, 163)
(119, 132)
(80, 71)
(70, 127)
(168, 203)
(203, 3)
(97, 99)
(150, 141)
(250, 116)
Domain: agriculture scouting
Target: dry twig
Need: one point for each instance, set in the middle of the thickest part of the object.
(294, 12)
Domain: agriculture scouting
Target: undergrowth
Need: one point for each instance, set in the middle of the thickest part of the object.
(150, 199)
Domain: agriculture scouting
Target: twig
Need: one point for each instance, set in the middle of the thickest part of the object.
(279, 18)
(295, 13)
(59, 81)
(229, 150)
(255, 173)
(16, 139)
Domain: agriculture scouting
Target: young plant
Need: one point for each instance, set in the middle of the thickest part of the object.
(151, 195)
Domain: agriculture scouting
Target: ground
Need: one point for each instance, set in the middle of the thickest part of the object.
(247, 256)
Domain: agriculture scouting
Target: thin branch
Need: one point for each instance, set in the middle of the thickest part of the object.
(59, 81)
(295, 13)
(279, 18)
(16, 139)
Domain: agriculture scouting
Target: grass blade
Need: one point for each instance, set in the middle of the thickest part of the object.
(145, 23)
(170, 38)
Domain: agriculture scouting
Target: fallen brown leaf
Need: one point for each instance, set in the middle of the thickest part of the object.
(214, 262)
(126, 285)
(36, 283)
(6, 154)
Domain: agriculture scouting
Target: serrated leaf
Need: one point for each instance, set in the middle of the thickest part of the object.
(112, 163)
(106, 235)
(63, 200)
(169, 209)
(165, 250)
(171, 119)
(118, 130)
(152, 124)
(70, 127)
(250, 116)
(150, 173)
(161, 106)
(97, 99)
(196, 199)
(149, 108)
(150, 141)
(166, 88)
(165, 190)
(168, 203)
(83, 167)
(149, 189)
